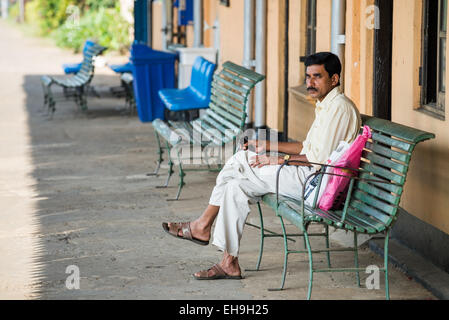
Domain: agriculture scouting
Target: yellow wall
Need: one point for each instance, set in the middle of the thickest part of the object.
(157, 26)
(231, 32)
(358, 66)
(427, 189)
(301, 109)
(210, 13)
(275, 63)
(231, 48)
(323, 28)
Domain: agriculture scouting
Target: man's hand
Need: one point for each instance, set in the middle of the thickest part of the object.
(257, 146)
(265, 160)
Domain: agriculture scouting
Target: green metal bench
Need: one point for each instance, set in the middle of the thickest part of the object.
(77, 84)
(371, 205)
(221, 123)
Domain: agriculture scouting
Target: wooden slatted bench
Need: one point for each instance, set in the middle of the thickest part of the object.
(221, 123)
(77, 83)
(372, 201)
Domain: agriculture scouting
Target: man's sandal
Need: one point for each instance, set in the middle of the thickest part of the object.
(174, 229)
(219, 274)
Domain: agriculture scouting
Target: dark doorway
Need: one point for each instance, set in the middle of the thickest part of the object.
(383, 40)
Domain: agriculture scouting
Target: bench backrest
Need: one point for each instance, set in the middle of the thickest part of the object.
(87, 66)
(386, 157)
(87, 45)
(201, 78)
(225, 117)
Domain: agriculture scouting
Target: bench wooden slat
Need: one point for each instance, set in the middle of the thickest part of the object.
(383, 173)
(238, 79)
(368, 210)
(230, 125)
(379, 193)
(206, 131)
(373, 202)
(396, 189)
(165, 131)
(243, 72)
(225, 131)
(226, 112)
(364, 221)
(229, 101)
(236, 109)
(183, 129)
(181, 125)
(400, 131)
(221, 82)
(221, 90)
(318, 215)
(351, 222)
(385, 162)
(387, 152)
(392, 142)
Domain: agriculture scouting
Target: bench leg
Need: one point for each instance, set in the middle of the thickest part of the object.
(80, 98)
(356, 259)
(83, 98)
(51, 104)
(160, 153)
(181, 177)
(328, 254)
(387, 288)
(52, 108)
(286, 253)
(262, 238)
(44, 88)
(309, 249)
(265, 233)
(170, 167)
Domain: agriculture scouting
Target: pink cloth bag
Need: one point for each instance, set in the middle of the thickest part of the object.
(335, 192)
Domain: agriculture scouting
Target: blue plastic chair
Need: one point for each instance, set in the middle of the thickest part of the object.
(197, 95)
(122, 68)
(72, 68)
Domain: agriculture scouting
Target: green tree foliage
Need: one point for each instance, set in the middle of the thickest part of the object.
(71, 22)
(105, 25)
(97, 4)
(52, 13)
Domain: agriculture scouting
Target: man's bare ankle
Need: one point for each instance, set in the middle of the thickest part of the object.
(231, 268)
(202, 226)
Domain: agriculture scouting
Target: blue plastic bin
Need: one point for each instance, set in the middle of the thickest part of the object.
(152, 71)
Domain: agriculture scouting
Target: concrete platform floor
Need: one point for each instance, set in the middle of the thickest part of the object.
(73, 192)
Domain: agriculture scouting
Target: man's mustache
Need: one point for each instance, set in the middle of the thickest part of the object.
(311, 89)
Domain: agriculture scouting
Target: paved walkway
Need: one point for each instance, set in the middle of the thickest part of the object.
(74, 196)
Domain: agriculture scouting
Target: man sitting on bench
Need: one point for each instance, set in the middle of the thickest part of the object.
(247, 175)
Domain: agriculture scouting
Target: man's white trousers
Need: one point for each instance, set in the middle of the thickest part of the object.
(238, 185)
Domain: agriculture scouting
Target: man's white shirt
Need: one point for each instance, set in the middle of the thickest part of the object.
(336, 119)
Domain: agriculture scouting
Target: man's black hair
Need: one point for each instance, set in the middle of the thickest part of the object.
(330, 61)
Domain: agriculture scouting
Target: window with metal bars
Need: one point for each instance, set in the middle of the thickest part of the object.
(433, 70)
(310, 33)
(311, 27)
